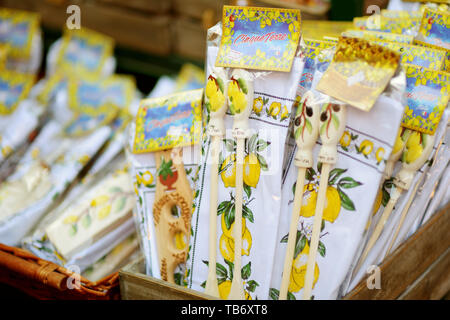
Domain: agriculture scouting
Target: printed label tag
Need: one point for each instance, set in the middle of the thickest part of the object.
(100, 96)
(259, 38)
(358, 72)
(417, 55)
(427, 93)
(375, 35)
(168, 122)
(14, 87)
(84, 52)
(435, 29)
(17, 29)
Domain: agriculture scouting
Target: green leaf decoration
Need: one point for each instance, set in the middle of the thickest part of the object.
(290, 296)
(231, 106)
(246, 271)
(229, 144)
(230, 267)
(243, 85)
(334, 175)
(274, 293)
(73, 230)
(262, 162)
(179, 278)
(319, 167)
(220, 84)
(248, 191)
(203, 285)
(86, 220)
(262, 145)
(120, 204)
(222, 207)
(321, 249)
(115, 189)
(165, 168)
(346, 202)
(284, 239)
(221, 271)
(174, 211)
(229, 216)
(252, 143)
(310, 172)
(335, 120)
(308, 126)
(251, 285)
(348, 183)
(297, 134)
(299, 244)
(247, 213)
(322, 226)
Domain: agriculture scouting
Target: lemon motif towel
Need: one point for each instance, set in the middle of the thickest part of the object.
(352, 187)
(425, 178)
(274, 95)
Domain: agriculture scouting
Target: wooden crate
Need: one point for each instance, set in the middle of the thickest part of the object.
(418, 269)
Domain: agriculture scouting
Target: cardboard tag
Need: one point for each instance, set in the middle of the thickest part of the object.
(17, 29)
(359, 72)
(96, 97)
(259, 38)
(168, 122)
(427, 93)
(14, 87)
(435, 29)
(376, 35)
(417, 55)
(55, 82)
(84, 52)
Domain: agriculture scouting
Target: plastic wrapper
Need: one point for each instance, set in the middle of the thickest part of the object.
(424, 178)
(274, 95)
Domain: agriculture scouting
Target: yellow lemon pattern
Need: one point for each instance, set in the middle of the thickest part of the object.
(237, 91)
(214, 93)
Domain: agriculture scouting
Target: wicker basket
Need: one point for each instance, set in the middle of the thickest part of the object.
(46, 280)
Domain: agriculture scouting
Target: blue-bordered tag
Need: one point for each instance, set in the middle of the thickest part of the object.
(259, 38)
(168, 122)
(14, 87)
(427, 93)
(17, 29)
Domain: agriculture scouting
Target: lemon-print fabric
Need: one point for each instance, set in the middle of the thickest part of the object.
(351, 193)
(427, 177)
(262, 185)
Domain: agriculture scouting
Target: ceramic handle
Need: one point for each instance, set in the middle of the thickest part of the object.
(417, 150)
(240, 101)
(331, 127)
(306, 131)
(216, 100)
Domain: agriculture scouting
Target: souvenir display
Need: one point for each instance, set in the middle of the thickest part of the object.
(276, 158)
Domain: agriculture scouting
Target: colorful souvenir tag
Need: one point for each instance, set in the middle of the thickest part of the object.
(4, 50)
(14, 87)
(359, 72)
(435, 29)
(17, 29)
(427, 94)
(308, 71)
(168, 122)
(375, 35)
(83, 124)
(401, 14)
(419, 56)
(319, 43)
(259, 38)
(94, 97)
(396, 25)
(84, 51)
